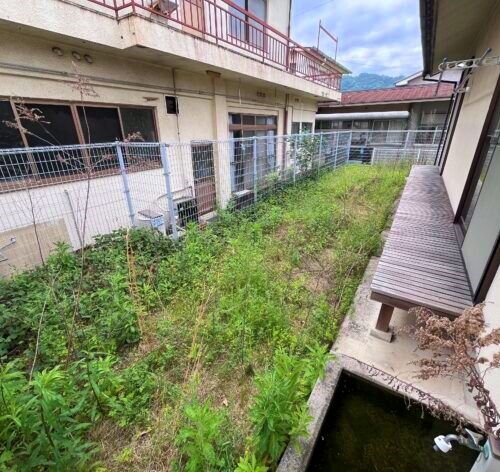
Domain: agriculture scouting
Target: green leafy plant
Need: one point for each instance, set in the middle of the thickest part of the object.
(279, 412)
(199, 440)
(248, 463)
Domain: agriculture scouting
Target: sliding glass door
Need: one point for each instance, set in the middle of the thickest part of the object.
(480, 215)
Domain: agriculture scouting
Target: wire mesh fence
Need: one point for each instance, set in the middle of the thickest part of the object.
(72, 194)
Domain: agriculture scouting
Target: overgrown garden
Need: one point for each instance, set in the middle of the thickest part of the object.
(199, 355)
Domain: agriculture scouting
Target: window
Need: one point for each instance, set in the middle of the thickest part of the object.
(244, 28)
(248, 126)
(67, 124)
(306, 128)
(138, 120)
(489, 153)
(10, 137)
(301, 127)
(100, 125)
(479, 215)
(243, 122)
(12, 167)
(172, 105)
(55, 128)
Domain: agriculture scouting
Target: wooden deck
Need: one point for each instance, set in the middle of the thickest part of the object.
(421, 264)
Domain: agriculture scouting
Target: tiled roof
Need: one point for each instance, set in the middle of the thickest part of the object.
(407, 93)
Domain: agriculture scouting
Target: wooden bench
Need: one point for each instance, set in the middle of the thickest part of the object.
(421, 264)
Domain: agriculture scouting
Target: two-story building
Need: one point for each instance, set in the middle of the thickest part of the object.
(188, 71)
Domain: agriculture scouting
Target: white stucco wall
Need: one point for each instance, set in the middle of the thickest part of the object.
(473, 113)
(29, 70)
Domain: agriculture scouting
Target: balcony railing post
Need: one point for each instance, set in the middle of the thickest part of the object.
(126, 188)
(168, 187)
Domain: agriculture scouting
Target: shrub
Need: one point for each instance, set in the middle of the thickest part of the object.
(279, 412)
(200, 439)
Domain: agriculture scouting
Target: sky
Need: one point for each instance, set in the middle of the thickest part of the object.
(377, 36)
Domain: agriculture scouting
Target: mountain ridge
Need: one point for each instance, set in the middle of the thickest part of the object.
(368, 81)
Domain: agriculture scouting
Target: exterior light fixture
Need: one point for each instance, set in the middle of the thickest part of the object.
(57, 51)
(76, 55)
(88, 59)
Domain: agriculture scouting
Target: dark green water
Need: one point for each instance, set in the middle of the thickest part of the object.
(371, 429)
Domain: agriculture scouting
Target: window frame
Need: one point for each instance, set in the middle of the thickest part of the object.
(247, 19)
(36, 180)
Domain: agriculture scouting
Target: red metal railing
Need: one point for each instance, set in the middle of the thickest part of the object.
(222, 21)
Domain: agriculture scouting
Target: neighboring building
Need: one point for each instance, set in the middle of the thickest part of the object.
(175, 71)
(412, 103)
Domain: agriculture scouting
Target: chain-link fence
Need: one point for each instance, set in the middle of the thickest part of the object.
(72, 194)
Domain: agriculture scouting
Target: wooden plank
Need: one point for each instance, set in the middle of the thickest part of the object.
(423, 293)
(429, 278)
(422, 263)
(416, 300)
(423, 287)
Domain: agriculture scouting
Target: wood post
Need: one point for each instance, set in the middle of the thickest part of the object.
(382, 330)
(384, 318)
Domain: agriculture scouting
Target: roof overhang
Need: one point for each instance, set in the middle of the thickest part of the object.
(450, 29)
(339, 106)
(371, 115)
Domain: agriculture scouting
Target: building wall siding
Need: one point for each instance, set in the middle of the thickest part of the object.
(473, 114)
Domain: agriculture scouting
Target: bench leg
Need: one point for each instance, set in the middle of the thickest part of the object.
(382, 330)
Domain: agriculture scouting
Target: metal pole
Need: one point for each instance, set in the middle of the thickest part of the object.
(254, 169)
(126, 188)
(168, 185)
(406, 140)
(373, 156)
(336, 151)
(295, 158)
(349, 146)
(319, 151)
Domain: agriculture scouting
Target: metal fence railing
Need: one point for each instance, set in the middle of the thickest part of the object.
(72, 194)
(227, 23)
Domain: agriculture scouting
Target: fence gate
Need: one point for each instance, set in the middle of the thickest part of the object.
(202, 155)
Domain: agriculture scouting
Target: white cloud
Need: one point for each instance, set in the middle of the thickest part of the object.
(379, 36)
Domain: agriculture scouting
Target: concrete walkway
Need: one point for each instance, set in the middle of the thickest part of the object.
(394, 358)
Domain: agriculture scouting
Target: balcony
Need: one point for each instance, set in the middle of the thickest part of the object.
(224, 23)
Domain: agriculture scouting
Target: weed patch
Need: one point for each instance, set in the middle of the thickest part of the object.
(190, 355)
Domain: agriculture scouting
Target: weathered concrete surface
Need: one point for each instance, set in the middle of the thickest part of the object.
(395, 358)
(356, 344)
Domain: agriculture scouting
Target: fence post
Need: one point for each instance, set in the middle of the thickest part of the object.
(295, 158)
(254, 155)
(168, 186)
(319, 151)
(406, 140)
(349, 146)
(373, 156)
(126, 188)
(418, 156)
(336, 150)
